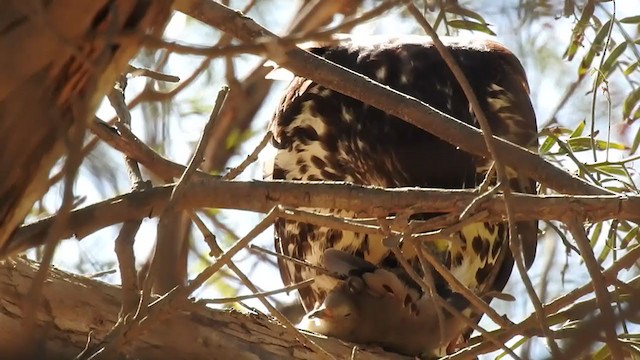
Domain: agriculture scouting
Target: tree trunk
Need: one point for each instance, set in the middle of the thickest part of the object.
(58, 60)
(75, 308)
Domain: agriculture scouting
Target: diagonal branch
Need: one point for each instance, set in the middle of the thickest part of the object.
(515, 243)
(603, 298)
(390, 101)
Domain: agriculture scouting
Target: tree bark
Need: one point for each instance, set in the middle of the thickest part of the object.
(75, 308)
(58, 61)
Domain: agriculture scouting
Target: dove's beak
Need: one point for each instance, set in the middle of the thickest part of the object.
(321, 313)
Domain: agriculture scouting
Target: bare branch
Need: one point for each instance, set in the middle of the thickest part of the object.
(390, 101)
(261, 196)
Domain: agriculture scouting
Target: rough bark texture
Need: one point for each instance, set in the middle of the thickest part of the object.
(58, 61)
(72, 306)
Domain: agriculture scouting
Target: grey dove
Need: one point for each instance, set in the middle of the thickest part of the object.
(374, 306)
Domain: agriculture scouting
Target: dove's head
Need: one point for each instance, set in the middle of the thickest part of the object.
(339, 315)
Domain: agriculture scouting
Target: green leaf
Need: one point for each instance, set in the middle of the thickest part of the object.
(578, 130)
(585, 143)
(614, 170)
(609, 65)
(441, 16)
(595, 49)
(606, 250)
(631, 20)
(470, 25)
(459, 10)
(631, 68)
(629, 236)
(513, 347)
(547, 145)
(635, 144)
(578, 30)
(602, 353)
(597, 230)
(630, 103)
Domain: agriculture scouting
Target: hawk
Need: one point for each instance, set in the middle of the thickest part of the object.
(322, 135)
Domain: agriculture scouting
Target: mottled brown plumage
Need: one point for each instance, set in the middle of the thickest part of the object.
(320, 134)
(373, 306)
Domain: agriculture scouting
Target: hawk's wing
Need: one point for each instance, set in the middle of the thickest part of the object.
(320, 134)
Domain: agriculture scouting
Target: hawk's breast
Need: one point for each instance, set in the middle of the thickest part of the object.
(322, 135)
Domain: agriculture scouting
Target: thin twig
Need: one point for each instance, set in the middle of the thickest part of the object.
(124, 242)
(553, 308)
(603, 297)
(177, 297)
(296, 261)
(234, 299)
(135, 71)
(260, 196)
(244, 279)
(196, 159)
(446, 232)
(440, 302)
(515, 244)
(250, 159)
(458, 287)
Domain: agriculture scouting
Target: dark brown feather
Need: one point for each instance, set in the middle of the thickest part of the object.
(320, 134)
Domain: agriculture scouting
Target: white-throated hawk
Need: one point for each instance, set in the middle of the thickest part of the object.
(322, 135)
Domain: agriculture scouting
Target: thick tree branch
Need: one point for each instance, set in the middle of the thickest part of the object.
(79, 308)
(261, 196)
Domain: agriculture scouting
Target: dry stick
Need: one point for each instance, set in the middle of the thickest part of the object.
(435, 223)
(161, 308)
(124, 242)
(225, 259)
(625, 262)
(146, 95)
(515, 244)
(178, 190)
(478, 201)
(258, 46)
(427, 277)
(348, 23)
(135, 72)
(251, 158)
(258, 294)
(442, 303)
(196, 159)
(124, 141)
(457, 286)
(331, 221)
(217, 251)
(603, 297)
(296, 261)
(448, 231)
